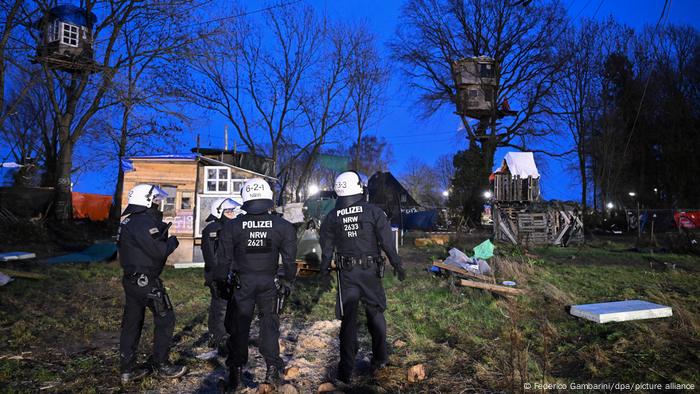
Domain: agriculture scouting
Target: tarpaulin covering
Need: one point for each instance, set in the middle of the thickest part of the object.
(334, 163)
(424, 220)
(91, 206)
(520, 164)
(75, 15)
(103, 251)
(484, 250)
(688, 220)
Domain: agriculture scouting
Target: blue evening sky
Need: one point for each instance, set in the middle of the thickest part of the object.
(425, 139)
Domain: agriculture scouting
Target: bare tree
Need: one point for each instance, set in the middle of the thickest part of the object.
(577, 102)
(520, 38)
(252, 72)
(368, 81)
(77, 96)
(325, 103)
(419, 180)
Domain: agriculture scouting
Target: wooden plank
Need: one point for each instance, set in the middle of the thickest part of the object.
(490, 287)
(23, 274)
(461, 271)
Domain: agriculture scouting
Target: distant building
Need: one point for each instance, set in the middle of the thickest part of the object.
(193, 181)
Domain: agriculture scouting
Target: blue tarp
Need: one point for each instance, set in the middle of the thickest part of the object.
(424, 220)
(75, 15)
(103, 251)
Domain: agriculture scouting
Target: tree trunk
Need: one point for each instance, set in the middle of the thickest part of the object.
(584, 181)
(63, 208)
(115, 214)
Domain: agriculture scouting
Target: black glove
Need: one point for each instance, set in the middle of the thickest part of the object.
(400, 273)
(172, 242)
(223, 289)
(326, 282)
(285, 286)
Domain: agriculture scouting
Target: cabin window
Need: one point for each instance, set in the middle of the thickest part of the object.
(70, 35)
(53, 31)
(237, 185)
(168, 204)
(486, 71)
(473, 93)
(186, 201)
(216, 179)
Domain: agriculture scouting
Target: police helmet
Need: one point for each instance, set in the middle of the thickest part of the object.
(146, 195)
(348, 183)
(222, 204)
(256, 189)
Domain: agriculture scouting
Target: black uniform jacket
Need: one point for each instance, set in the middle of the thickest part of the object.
(215, 266)
(253, 244)
(359, 230)
(143, 247)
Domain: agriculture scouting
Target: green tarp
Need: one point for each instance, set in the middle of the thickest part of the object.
(103, 251)
(484, 250)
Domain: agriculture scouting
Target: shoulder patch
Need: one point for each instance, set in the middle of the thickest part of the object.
(126, 220)
(213, 235)
(153, 231)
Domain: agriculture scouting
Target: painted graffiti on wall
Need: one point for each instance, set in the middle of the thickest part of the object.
(183, 222)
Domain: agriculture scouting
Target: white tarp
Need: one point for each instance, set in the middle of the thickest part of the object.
(294, 212)
(521, 164)
(10, 165)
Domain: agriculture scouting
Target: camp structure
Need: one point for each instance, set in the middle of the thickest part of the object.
(519, 215)
(386, 192)
(66, 39)
(193, 182)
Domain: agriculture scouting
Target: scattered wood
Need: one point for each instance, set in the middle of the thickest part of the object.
(491, 287)
(287, 389)
(291, 373)
(24, 274)
(421, 242)
(265, 388)
(462, 272)
(327, 387)
(416, 373)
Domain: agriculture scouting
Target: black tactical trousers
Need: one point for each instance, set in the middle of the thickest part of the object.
(217, 314)
(361, 284)
(135, 306)
(260, 290)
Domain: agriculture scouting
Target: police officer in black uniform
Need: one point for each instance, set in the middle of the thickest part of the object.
(216, 270)
(144, 245)
(356, 231)
(253, 243)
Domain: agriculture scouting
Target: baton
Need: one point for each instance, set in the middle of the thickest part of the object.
(340, 292)
(165, 230)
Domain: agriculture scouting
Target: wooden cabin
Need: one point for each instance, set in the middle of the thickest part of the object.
(67, 40)
(517, 179)
(519, 215)
(476, 82)
(193, 182)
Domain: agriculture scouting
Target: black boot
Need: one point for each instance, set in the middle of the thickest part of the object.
(168, 370)
(234, 379)
(344, 376)
(272, 375)
(133, 374)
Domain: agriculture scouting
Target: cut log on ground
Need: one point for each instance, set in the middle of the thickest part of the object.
(462, 272)
(490, 287)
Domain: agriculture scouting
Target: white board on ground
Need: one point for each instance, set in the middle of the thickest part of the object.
(16, 256)
(188, 265)
(621, 311)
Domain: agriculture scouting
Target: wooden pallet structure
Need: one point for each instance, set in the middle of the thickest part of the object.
(537, 224)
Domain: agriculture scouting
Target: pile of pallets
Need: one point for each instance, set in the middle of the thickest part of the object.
(537, 224)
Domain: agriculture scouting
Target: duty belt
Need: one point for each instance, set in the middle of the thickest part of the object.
(142, 279)
(347, 263)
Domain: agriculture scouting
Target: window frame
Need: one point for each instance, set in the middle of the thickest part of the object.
(68, 40)
(207, 179)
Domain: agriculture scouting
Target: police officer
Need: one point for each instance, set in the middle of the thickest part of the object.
(356, 231)
(253, 243)
(144, 245)
(216, 270)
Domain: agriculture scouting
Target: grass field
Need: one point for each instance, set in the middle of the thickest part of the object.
(60, 333)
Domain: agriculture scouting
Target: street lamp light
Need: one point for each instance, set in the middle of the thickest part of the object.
(313, 189)
(445, 193)
(610, 205)
(632, 194)
(488, 194)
